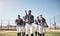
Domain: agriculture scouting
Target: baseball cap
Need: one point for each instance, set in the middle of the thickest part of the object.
(29, 10)
(40, 14)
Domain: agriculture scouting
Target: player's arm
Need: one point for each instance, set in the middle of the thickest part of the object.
(16, 21)
(26, 20)
(38, 21)
(45, 22)
(35, 21)
(21, 21)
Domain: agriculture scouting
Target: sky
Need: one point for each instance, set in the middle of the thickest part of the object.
(9, 9)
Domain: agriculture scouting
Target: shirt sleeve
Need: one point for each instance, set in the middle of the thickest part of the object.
(26, 16)
(33, 18)
(44, 20)
(16, 20)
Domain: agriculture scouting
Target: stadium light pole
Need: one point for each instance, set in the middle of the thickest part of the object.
(54, 23)
(8, 24)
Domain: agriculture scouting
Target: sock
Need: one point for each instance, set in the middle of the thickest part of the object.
(39, 34)
(23, 33)
(19, 34)
(32, 35)
(26, 34)
(43, 34)
(35, 33)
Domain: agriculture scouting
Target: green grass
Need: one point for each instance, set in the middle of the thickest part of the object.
(14, 33)
(52, 34)
(8, 34)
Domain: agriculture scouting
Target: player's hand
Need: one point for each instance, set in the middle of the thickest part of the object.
(38, 23)
(26, 20)
(46, 26)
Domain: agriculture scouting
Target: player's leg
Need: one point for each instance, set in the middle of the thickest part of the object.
(39, 30)
(31, 30)
(44, 30)
(24, 30)
(18, 31)
(23, 33)
(26, 27)
(35, 29)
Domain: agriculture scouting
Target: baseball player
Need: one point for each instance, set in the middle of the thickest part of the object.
(36, 25)
(19, 23)
(41, 25)
(29, 22)
(24, 23)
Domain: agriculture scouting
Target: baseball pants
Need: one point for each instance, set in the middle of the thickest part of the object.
(28, 28)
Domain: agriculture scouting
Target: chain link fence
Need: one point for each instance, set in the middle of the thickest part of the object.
(7, 25)
(53, 23)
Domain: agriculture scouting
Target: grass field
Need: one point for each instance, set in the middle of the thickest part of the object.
(49, 33)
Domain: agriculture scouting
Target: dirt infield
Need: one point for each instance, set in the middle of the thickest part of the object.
(7, 28)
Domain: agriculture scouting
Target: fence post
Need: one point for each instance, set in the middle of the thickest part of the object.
(54, 23)
(50, 24)
(8, 24)
(1, 24)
